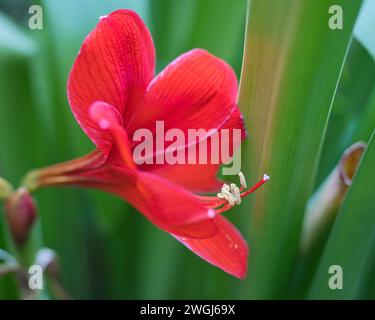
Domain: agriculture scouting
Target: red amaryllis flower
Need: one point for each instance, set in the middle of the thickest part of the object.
(112, 92)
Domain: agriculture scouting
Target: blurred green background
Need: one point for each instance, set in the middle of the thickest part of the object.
(327, 85)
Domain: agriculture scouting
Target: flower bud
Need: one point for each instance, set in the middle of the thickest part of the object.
(21, 213)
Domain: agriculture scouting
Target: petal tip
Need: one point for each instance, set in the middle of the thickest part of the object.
(104, 114)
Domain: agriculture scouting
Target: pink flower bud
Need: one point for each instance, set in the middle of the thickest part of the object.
(21, 213)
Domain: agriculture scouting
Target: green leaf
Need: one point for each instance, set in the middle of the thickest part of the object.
(352, 240)
(349, 117)
(366, 122)
(292, 64)
(320, 215)
(364, 29)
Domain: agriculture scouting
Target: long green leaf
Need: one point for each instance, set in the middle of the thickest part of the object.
(352, 240)
(350, 107)
(291, 68)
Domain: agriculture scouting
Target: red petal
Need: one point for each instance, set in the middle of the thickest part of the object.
(108, 119)
(165, 204)
(115, 65)
(196, 83)
(226, 250)
(196, 91)
(199, 178)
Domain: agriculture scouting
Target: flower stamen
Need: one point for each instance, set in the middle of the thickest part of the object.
(256, 186)
(232, 194)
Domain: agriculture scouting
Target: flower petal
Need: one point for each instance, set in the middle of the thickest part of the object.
(115, 65)
(196, 91)
(227, 249)
(198, 178)
(196, 83)
(109, 120)
(165, 204)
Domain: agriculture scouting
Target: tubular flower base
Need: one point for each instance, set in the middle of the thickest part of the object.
(112, 92)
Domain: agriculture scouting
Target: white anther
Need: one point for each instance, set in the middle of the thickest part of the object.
(236, 193)
(242, 179)
(225, 187)
(231, 193)
(228, 196)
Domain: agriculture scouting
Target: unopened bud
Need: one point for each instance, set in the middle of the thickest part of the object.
(21, 213)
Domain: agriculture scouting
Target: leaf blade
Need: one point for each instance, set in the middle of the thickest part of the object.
(290, 73)
(353, 236)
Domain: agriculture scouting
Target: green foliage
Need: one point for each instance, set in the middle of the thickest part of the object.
(290, 73)
(351, 243)
(307, 92)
